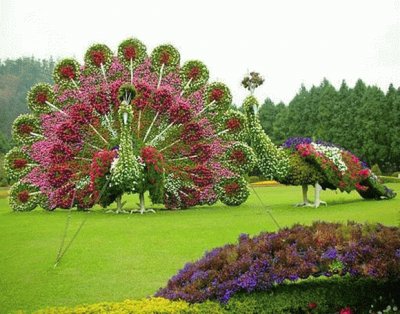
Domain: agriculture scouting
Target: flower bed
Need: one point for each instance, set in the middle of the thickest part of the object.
(301, 252)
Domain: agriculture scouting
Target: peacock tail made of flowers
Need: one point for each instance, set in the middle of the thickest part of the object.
(128, 123)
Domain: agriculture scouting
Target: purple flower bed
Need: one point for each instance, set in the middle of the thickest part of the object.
(300, 252)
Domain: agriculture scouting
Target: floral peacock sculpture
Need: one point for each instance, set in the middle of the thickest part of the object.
(301, 161)
(128, 123)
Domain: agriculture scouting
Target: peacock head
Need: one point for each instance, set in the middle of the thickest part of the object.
(126, 95)
(250, 105)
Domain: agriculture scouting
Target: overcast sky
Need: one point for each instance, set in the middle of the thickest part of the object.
(289, 42)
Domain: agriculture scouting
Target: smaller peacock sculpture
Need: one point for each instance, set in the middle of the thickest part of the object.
(304, 162)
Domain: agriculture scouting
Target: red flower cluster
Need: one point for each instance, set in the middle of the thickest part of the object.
(60, 153)
(238, 156)
(101, 165)
(81, 114)
(162, 100)
(23, 196)
(201, 152)
(216, 94)
(346, 310)
(143, 97)
(305, 150)
(84, 198)
(189, 197)
(233, 124)
(312, 305)
(180, 112)
(130, 52)
(41, 97)
(19, 163)
(63, 197)
(201, 175)
(194, 73)
(165, 57)
(364, 173)
(231, 188)
(97, 57)
(192, 133)
(67, 71)
(25, 129)
(68, 132)
(151, 156)
(360, 187)
(59, 174)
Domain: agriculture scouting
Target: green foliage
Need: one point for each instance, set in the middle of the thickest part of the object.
(144, 306)
(302, 172)
(16, 78)
(387, 179)
(3, 175)
(253, 179)
(362, 119)
(329, 294)
(376, 170)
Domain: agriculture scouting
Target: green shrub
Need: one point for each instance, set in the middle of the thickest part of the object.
(253, 179)
(386, 179)
(328, 294)
(375, 169)
(396, 174)
(144, 306)
(3, 176)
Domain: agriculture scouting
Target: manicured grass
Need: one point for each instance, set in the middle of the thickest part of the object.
(116, 257)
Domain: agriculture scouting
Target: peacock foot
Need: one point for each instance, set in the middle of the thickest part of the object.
(142, 211)
(304, 204)
(319, 202)
(117, 211)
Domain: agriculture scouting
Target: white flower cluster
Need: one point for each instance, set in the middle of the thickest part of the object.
(83, 183)
(332, 153)
(172, 186)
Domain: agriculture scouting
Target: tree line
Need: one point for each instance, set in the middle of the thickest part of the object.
(362, 119)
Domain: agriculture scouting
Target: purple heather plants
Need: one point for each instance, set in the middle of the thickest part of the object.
(299, 252)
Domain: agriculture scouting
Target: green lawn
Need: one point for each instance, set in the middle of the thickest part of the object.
(116, 257)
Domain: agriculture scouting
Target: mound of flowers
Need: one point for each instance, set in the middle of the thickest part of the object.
(300, 252)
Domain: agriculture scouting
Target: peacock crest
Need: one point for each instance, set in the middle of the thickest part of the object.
(129, 123)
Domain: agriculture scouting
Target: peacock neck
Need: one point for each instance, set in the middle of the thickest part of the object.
(273, 162)
(126, 142)
(127, 172)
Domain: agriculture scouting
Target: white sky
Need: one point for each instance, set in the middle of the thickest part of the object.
(288, 42)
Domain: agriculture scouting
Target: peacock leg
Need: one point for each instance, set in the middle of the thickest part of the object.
(142, 209)
(305, 202)
(317, 200)
(120, 205)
